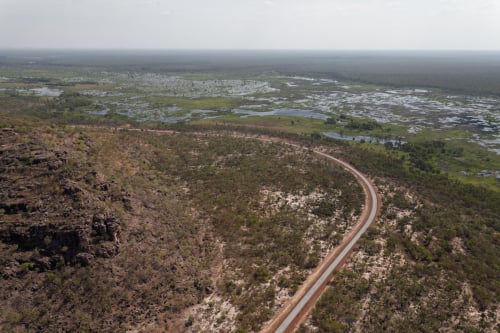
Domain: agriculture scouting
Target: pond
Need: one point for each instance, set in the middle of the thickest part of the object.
(44, 91)
(283, 112)
(340, 136)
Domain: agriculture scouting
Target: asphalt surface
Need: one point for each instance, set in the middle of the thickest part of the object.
(290, 318)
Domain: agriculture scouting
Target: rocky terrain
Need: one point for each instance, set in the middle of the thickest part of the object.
(78, 250)
(135, 198)
(53, 208)
(115, 230)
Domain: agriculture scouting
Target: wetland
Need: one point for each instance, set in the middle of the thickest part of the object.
(136, 176)
(308, 93)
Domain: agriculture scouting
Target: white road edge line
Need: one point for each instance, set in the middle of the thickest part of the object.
(326, 274)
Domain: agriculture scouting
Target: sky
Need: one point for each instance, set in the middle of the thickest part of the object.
(252, 24)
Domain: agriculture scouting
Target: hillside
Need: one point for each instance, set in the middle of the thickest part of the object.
(142, 200)
(430, 264)
(105, 230)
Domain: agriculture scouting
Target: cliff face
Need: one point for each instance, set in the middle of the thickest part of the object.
(51, 210)
(90, 239)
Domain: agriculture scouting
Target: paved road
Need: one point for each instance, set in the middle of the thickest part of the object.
(305, 298)
(289, 319)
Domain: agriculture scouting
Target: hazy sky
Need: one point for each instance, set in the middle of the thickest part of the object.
(251, 24)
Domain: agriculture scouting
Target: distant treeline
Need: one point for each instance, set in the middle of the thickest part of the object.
(459, 71)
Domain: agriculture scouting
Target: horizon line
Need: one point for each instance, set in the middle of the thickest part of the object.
(5, 48)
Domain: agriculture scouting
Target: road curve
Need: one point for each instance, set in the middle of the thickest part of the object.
(292, 315)
(299, 306)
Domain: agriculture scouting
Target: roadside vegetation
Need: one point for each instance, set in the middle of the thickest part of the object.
(429, 264)
(210, 229)
(185, 204)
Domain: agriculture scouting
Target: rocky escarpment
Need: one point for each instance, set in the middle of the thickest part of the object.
(53, 206)
(96, 234)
